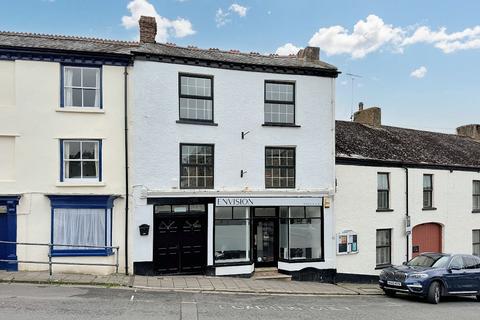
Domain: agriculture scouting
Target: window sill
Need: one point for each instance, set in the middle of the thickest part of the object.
(476, 211)
(384, 266)
(231, 264)
(202, 123)
(301, 260)
(80, 184)
(429, 209)
(384, 210)
(80, 110)
(82, 253)
(291, 125)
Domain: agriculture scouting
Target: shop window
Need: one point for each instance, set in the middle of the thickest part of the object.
(300, 234)
(81, 220)
(232, 234)
(347, 242)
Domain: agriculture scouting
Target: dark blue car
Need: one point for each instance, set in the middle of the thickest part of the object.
(433, 275)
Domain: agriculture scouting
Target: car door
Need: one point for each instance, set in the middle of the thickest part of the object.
(455, 275)
(469, 283)
(476, 272)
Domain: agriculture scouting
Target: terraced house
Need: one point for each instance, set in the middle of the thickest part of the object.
(62, 155)
(232, 161)
(402, 192)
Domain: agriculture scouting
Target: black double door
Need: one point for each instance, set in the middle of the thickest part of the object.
(180, 244)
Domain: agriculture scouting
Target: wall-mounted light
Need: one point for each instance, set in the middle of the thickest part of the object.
(244, 133)
(242, 173)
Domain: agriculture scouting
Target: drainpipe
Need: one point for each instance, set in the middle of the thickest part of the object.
(406, 211)
(125, 74)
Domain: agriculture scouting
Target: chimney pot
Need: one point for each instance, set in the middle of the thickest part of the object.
(148, 29)
(309, 54)
(470, 130)
(370, 116)
(360, 106)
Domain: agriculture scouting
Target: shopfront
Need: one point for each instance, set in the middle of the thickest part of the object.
(261, 232)
(233, 236)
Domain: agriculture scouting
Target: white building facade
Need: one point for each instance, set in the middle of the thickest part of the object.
(402, 192)
(62, 168)
(233, 162)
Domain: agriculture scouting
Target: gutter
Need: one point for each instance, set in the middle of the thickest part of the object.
(126, 166)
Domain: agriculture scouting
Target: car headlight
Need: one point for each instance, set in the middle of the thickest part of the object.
(418, 275)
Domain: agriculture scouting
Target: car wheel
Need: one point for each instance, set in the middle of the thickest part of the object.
(434, 293)
(390, 293)
(478, 298)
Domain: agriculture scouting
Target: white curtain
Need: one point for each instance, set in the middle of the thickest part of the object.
(79, 227)
(68, 82)
(98, 85)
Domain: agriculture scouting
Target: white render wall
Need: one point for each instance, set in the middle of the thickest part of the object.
(356, 205)
(238, 106)
(31, 115)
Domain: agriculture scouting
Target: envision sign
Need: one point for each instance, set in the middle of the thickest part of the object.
(263, 202)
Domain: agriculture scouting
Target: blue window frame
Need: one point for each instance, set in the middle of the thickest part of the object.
(81, 86)
(81, 160)
(81, 220)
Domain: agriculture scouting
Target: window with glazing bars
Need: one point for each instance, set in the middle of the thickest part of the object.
(279, 102)
(196, 166)
(81, 87)
(279, 167)
(383, 191)
(476, 195)
(476, 242)
(384, 247)
(427, 190)
(196, 97)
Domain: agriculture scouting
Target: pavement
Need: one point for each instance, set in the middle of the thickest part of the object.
(42, 302)
(194, 284)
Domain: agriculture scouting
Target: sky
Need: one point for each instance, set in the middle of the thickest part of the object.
(417, 60)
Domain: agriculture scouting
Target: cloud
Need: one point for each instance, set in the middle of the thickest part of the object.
(166, 28)
(287, 49)
(222, 17)
(374, 35)
(419, 73)
(240, 10)
(368, 35)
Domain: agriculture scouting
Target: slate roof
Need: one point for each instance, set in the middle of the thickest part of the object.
(358, 142)
(94, 45)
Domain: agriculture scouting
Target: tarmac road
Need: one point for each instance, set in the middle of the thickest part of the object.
(36, 302)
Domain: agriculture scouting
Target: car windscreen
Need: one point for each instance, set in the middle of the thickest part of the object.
(429, 261)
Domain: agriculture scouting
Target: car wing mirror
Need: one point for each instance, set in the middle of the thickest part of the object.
(404, 263)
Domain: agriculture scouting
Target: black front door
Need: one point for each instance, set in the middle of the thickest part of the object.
(180, 244)
(265, 239)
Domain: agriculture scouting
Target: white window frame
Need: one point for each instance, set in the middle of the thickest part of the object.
(98, 86)
(97, 159)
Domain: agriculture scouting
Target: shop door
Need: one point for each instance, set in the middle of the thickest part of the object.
(426, 237)
(180, 244)
(265, 239)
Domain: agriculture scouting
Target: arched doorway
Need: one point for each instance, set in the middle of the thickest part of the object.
(426, 237)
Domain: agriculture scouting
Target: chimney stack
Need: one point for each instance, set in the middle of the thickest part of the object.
(148, 29)
(470, 130)
(370, 116)
(309, 54)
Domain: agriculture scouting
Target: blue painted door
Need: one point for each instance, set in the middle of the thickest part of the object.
(8, 232)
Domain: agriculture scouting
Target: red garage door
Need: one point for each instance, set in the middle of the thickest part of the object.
(427, 237)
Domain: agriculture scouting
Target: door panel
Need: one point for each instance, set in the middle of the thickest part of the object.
(180, 244)
(426, 237)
